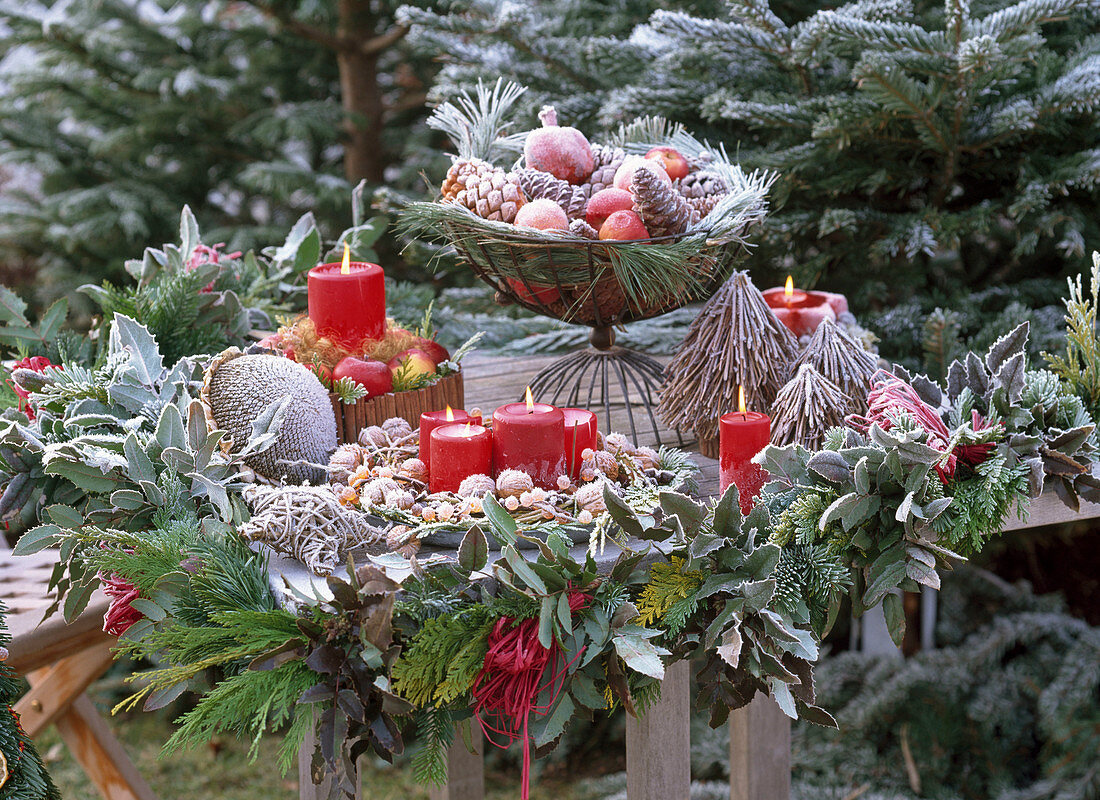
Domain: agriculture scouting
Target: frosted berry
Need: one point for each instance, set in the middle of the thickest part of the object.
(546, 215)
(625, 173)
(562, 151)
(604, 203)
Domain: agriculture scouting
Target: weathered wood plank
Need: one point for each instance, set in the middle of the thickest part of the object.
(465, 770)
(1048, 509)
(658, 745)
(760, 752)
(55, 687)
(100, 754)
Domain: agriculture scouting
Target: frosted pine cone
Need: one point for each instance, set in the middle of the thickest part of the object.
(488, 191)
(537, 184)
(579, 227)
(704, 205)
(607, 161)
(701, 184)
(663, 211)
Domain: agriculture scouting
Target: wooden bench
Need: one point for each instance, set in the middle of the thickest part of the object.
(60, 661)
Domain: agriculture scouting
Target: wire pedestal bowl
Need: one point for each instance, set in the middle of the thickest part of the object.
(583, 282)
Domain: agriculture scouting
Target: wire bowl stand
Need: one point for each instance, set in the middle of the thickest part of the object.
(575, 281)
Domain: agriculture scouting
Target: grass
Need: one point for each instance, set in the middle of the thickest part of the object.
(222, 769)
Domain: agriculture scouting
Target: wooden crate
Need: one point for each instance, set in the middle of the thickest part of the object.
(350, 419)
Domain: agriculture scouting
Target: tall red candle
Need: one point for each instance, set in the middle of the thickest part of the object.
(458, 451)
(430, 420)
(741, 435)
(347, 301)
(580, 435)
(530, 437)
(800, 311)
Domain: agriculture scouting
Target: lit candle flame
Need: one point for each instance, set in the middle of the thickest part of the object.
(788, 289)
(450, 414)
(345, 267)
(741, 399)
(530, 401)
(466, 431)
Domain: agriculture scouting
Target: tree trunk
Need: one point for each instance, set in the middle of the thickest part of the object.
(360, 95)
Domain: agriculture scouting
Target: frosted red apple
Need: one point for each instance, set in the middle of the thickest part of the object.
(604, 203)
(538, 293)
(564, 152)
(625, 173)
(374, 376)
(623, 226)
(436, 352)
(546, 215)
(669, 157)
(421, 363)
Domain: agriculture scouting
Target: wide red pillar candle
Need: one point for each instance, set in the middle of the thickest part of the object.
(458, 451)
(530, 437)
(347, 302)
(580, 435)
(430, 420)
(741, 435)
(801, 311)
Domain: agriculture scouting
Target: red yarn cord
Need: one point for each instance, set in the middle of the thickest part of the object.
(507, 688)
(120, 614)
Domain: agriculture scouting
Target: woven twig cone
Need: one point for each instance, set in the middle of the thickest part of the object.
(841, 359)
(806, 408)
(735, 341)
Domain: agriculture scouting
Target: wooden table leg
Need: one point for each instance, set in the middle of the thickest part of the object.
(760, 752)
(100, 754)
(465, 770)
(55, 687)
(658, 745)
(307, 789)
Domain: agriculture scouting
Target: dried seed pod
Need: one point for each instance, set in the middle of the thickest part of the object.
(513, 483)
(344, 461)
(647, 457)
(476, 486)
(603, 462)
(414, 468)
(374, 436)
(616, 443)
(590, 497)
(397, 428)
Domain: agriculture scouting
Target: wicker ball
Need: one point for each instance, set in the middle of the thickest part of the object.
(513, 483)
(476, 486)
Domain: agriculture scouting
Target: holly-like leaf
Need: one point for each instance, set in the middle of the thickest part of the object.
(640, 655)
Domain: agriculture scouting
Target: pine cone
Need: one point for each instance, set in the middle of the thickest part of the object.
(579, 227)
(701, 184)
(537, 184)
(699, 161)
(488, 191)
(704, 205)
(662, 209)
(607, 161)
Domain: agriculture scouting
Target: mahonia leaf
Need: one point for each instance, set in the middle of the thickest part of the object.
(1010, 345)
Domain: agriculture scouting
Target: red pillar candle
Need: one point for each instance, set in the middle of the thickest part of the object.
(458, 451)
(347, 301)
(530, 437)
(741, 435)
(800, 311)
(580, 434)
(430, 420)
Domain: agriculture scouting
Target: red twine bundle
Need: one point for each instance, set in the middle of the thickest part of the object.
(891, 395)
(120, 614)
(35, 364)
(507, 688)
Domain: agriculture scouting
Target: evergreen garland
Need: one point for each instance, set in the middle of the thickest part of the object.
(25, 777)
